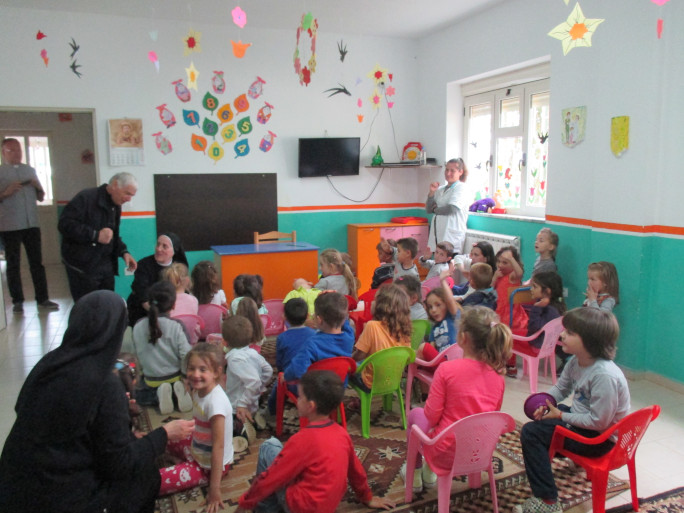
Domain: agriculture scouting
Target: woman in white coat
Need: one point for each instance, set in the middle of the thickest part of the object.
(449, 204)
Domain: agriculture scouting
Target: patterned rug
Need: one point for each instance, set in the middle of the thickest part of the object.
(666, 502)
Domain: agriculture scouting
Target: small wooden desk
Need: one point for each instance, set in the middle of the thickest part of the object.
(279, 264)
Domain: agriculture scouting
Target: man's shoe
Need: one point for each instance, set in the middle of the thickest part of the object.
(536, 505)
(49, 305)
(18, 308)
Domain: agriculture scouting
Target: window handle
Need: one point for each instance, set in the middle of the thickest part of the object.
(488, 164)
(522, 162)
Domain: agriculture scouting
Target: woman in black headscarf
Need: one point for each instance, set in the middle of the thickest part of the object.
(167, 251)
(71, 448)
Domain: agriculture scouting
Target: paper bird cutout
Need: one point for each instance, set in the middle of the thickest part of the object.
(239, 17)
(240, 48)
(74, 48)
(342, 48)
(337, 90)
(74, 67)
(192, 42)
(576, 31)
(358, 80)
(660, 2)
(44, 55)
(193, 75)
(40, 35)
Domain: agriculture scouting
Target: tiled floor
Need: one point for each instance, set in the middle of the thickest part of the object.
(660, 458)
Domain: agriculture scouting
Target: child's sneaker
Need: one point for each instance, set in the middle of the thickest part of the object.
(417, 478)
(261, 418)
(248, 432)
(429, 477)
(511, 371)
(240, 444)
(183, 398)
(536, 505)
(165, 397)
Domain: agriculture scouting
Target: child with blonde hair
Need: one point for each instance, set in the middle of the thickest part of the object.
(603, 288)
(177, 275)
(335, 275)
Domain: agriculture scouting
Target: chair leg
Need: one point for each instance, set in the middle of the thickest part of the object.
(280, 408)
(411, 454)
(387, 402)
(475, 480)
(366, 400)
(443, 493)
(533, 368)
(401, 407)
(599, 486)
(409, 389)
(492, 488)
(342, 416)
(631, 466)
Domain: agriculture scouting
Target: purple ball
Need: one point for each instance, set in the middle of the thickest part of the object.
(535, 401)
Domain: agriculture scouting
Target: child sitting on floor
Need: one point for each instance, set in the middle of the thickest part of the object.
(288, 481)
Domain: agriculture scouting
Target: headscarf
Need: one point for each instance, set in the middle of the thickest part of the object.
(61, 393)
(178, 251)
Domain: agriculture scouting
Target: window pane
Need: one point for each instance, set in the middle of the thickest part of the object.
(479, 149)
(537, 150)
(510, 112)
(39, 158)
(509, 153)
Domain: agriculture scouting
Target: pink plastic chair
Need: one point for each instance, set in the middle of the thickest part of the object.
(276, 316)
(425, 371)
(531, 355)
(433, 283)
(476, 438)
(212, 315)
(193, 326)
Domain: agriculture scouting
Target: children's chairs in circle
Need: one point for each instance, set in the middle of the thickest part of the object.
(276, 315)
(421, 327)
(213, 316)
(425, 371)
(476, 437)
(629, 431)
(193, 324)
(262, 238)
(388, 368)
(532, 356)
(343, 366)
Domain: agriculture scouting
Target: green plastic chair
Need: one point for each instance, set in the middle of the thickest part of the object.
(388, 368)
(421, 327)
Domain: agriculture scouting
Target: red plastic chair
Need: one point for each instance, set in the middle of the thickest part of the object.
(425, 371)
(476, 438)
(351, 303)
(361, 318)
(276, 314)
(343, 366)
(212, 315)
(532, 356)
(629, 431)
(193, 326)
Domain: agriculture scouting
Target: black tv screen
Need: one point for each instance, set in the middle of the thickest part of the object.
(329, 156)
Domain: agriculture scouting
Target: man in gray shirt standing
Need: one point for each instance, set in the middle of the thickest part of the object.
(19, 191)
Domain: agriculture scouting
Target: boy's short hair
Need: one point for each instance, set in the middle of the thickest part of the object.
(447, 247)
(324, 388)
(409, 244)
(481, 275)
(237, 331)
(296, 311)
(411, 284)
(598, 329)
(332, 307)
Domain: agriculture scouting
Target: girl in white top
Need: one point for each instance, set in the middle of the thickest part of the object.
(449, 203)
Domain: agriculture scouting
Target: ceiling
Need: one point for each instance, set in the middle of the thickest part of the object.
(386, 18)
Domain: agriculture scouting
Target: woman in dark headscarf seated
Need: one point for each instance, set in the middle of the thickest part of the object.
(71, 448)
(167, 251)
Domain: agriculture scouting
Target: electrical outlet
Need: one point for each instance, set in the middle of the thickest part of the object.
(565, 292)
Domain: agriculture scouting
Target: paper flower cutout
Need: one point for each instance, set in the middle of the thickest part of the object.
(239, 17)
(309, 27)
(192, 42)
(375, 99)
(40, 35)
(152, 56)
(576, 30)
(239, 48)
(193, 75)
(378, 74)
(660, 2)
(389, 91)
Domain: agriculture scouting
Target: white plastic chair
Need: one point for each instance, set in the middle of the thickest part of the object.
(531, 355)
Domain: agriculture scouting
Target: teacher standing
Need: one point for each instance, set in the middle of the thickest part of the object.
(449, 204)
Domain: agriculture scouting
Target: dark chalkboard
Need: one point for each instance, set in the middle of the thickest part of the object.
(214, 209)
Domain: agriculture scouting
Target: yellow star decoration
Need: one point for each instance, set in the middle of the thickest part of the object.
(378, 74)
(192, 42)
(193, 75)
(576, 30)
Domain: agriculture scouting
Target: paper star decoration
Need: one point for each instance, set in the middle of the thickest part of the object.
(192, 42)
(576, 30)
(193, 75)
(378, 74)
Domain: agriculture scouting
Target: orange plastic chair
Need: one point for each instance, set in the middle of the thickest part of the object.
(276, 315)
(532, 356)
(193, 326)
(518, 296)
(343, 366)
(476, 438)
(425, 371)
(629, 431)
(212, 315)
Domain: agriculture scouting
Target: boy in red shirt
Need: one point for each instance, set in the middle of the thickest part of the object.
(310, 474)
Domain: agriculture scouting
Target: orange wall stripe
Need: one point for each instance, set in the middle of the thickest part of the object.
(655, 228)
(352, 207)
(138, 214)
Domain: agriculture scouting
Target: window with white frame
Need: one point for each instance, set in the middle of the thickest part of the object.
(35, 149)
(506, 134)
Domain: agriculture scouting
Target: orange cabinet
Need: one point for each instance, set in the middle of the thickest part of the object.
(362, 239)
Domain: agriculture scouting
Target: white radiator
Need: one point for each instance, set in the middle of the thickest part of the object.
(497, 240)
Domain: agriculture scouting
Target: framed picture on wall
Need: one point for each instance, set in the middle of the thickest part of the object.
(126, 142)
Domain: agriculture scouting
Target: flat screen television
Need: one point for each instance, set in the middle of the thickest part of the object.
(329, 156)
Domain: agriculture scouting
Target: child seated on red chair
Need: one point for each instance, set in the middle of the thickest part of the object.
(310, 473)
(600, 399)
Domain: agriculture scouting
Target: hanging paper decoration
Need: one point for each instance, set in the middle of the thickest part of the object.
(378, 75)
(267, 142)
(198, 143)
(337, 90)
(74, 47)
(659, 28)
(574, 123)
(308, 26)
(375, 99)
(74, 68)
(182, 92)
(225, 113)
(228, 133)
(192, 42)
(389, 91)
(576, 31)
(619, 135)
(44, 55)
(360, 118)
(660, 2)
(215, 152)
(241, 103)
(239, 17)
(239, 48)
(342, 48)
(241, 148)
(256, 89)
(244, 125)
(162, 143)
(209, 127)
(217, 82)
(152, 56)
(166, 116)
(264, 113)
(193, 75)
(40, 35)
(191, 117)
(210, 102)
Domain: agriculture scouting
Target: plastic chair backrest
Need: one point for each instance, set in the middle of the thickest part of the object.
(276, 314)
(421, 327)
(275, 237)
(630, 430)
(351, 303)
(552, 331)
(388, 368)
(340, 365)
(517, 296)
(193, 326)
(212, 315)
(265, 320)
(433, 283)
